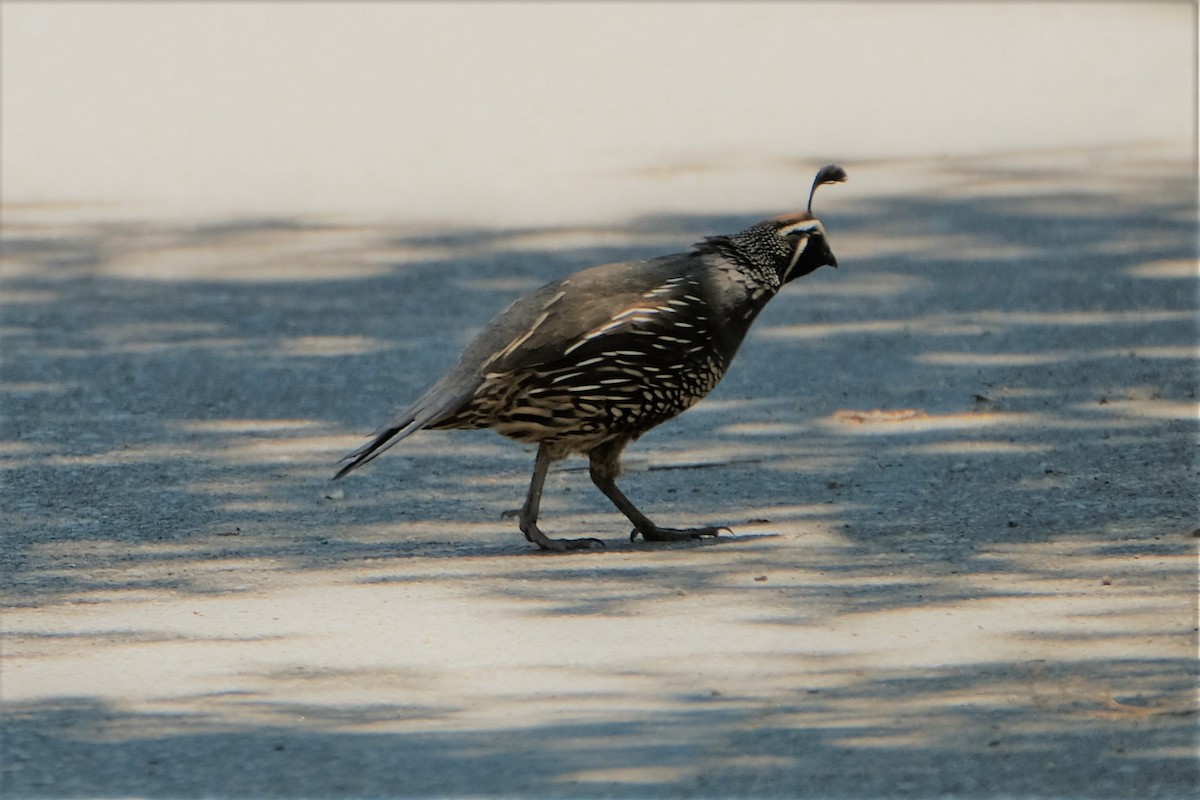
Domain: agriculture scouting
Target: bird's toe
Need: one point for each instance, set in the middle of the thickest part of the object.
(657, 534)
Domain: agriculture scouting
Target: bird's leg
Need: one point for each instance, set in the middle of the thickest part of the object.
(527, 516)
(604, 468)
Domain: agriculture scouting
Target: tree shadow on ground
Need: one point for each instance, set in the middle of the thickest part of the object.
(931, 738)
(992, 399)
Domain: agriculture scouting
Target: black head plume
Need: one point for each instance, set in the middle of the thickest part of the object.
(830, 173)
(786, 246)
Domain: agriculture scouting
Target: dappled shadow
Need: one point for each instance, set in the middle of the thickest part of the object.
(182, 382)
(990, 404)
(995, 730)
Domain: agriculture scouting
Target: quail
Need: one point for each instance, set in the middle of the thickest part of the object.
(589, 363)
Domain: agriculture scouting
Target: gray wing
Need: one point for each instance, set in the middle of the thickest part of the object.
(538, 328)
(570, 309)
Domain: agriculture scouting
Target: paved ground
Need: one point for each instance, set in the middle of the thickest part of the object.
(962, 469)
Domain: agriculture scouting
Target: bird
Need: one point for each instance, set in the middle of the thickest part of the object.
(588, 363)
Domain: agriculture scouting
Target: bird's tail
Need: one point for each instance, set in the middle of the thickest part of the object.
(436, 404)
(371, 450)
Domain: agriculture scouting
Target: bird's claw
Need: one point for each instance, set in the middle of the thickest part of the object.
(678, 534)
(544, 542)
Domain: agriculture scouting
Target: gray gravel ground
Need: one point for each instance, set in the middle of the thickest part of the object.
(961, 470)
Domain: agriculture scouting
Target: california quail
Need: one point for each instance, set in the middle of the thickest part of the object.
(589, 363)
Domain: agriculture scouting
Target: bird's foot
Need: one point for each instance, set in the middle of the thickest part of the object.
(657, 534)
(535, 535)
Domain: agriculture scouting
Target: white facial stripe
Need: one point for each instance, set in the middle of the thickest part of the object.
(807, 226)
(800, 246)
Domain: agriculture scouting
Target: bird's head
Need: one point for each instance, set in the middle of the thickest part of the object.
(803, 235)
(782, 248)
